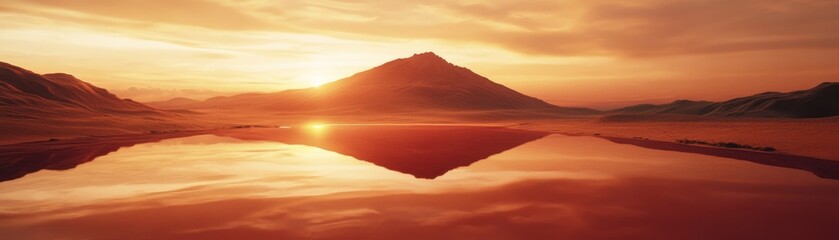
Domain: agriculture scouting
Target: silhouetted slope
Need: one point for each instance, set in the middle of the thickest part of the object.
(820, 101)
(21, 87)
(419, 83)
(34, 107)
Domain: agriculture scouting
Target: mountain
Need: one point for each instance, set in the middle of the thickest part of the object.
(820, 101)
(35, 107)
(422, 82)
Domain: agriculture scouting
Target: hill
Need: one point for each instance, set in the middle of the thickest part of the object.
(820, 101)
(39, 107)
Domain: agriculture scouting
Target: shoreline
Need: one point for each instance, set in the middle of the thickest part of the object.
(786, 136)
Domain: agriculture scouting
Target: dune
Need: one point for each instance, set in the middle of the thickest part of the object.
(37, 107)
(820, 101)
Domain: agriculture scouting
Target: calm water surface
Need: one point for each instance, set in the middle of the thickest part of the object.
(401, 182)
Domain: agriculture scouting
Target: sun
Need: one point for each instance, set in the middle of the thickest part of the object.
(317, 78)
(316, 129)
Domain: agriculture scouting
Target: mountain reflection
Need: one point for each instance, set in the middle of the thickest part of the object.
(422, 151)
(419, 150)
(557, 187)
(19, 160)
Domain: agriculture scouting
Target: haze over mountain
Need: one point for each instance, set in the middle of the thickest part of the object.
(820, 101)
(419, 83)
(37, 106)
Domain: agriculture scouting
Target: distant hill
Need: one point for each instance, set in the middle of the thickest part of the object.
(22, 88)
(820, 101)
(34, 107)
(174, 103)
(419, 83)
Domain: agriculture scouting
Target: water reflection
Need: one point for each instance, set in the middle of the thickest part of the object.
(623, 208)
(280, 184)
(423, 151)
(820, 167)
(19, 160)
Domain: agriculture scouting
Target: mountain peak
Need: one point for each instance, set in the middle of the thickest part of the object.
(425, 54)
(427, 57)
(421, 67)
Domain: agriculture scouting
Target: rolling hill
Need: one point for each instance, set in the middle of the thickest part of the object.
(22, 88)
(38, 107)
(820, 101)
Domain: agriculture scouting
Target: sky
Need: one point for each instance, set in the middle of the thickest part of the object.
(592, 53)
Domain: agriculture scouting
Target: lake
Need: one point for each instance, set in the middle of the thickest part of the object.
(407, 182)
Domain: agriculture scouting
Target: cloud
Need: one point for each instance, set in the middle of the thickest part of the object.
(571, 27)
(187, 12)
(648, 28)
(697, 27)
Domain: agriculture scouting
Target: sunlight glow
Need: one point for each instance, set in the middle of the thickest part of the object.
(316, 78)
(316, 129)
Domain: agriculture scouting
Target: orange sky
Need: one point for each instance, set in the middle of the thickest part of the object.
(568, 52)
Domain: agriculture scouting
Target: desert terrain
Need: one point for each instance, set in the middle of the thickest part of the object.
(421, 89)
